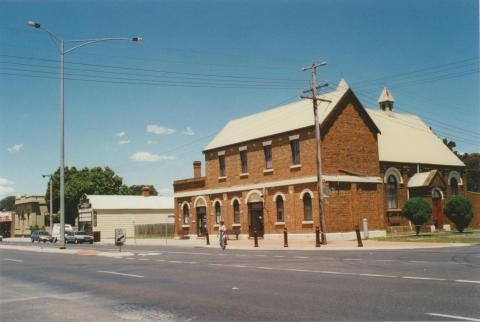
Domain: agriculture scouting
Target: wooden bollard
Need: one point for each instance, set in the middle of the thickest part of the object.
(207, 237)
(285, 237)
(255, 237)
(317, 236)
(359, 238)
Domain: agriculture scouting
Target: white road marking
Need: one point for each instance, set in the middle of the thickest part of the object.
(417, 261)
(122, 274)
(300, 257)
(352, 259)
(129, 257)
(176, 262)
(213, 264)
(159, 260)
(453, 317)
(143, 259)
(336, 273)
(384, 260)
(241, 255)
(467, 281)
(13, 260)
(234, 288)
(263, 267)
(260, 255)
(424, 278)
(378, 275)
(189, 253)
(278, 256)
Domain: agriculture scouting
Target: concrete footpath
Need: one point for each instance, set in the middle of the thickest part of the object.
(268, 244)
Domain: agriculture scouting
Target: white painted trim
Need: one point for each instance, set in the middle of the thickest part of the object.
(265, 143)
(295, 166)
(221, 153)
(236, 225)
(268, 170)
(307, 222)
(199, 198)
(278, 194)
(304, 191)
(242, 148)
(222, 178)
(294, 137)
(215, 201)
(439, 190)
(279, 223)
(456, 175)
(183, 204)
(395, 172)
(277, 183)
(185, 226)
(258, 192)
(236, 198)
(242, 175)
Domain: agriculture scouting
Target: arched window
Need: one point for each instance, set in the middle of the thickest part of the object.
(280, 211)
(236, 212)
(454, 186)
(218, 213)
(392, 192)
(185, 214)
(307, 207)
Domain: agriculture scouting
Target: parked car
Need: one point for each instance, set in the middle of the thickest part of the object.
(78, 237)
(41, 236)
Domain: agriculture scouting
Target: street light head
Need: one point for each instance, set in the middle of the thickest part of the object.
(33, 24)
(323, 63)
(137, 39)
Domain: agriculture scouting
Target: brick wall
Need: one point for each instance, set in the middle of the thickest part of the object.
(474, 198)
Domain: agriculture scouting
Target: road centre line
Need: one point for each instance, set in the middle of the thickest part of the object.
(352, 259)
(13, 260)
(424, 278)
(417, 262)
(300, 257)
(122, 274)
(463, 318)
(378, 275)
(467, 281)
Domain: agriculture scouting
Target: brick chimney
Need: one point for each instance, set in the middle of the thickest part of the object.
(197, 169)
(146, 191)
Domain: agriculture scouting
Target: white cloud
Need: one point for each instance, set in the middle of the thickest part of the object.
(123, 142)
(150, 157)
(5, 188)
(153, 128)
(120, 134)
(15, 148)
(188, 131)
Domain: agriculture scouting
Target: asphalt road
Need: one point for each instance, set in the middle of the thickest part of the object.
(180, 284)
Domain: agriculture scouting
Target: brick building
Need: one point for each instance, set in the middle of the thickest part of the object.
(260, 170)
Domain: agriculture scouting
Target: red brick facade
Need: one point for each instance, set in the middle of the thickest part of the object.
(349, 149)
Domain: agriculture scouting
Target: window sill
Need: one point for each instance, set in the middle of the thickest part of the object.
(236, 225)
(280, 223)
(307, 222)
(222, 178)
(295, 166)
(244, 175)
(268, 171)
(216, 226)
(185, 226)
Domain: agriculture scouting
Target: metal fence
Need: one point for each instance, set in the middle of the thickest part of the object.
(155, 231)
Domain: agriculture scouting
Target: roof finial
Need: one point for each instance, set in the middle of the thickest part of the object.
(386, 100)
(342, 85)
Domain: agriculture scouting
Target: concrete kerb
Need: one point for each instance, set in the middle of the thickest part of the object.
(82, 252)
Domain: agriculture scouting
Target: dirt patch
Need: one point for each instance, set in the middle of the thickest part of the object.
(87, 252)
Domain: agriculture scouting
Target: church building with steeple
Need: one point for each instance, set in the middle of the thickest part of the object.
(260, 171)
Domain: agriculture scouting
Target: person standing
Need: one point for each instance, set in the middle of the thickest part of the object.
(222, 231)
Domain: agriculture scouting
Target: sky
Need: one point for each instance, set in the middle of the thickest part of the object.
(148, 109)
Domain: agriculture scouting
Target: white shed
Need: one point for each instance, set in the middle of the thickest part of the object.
(105, 213)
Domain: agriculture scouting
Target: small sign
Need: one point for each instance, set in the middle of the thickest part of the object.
(120, 236)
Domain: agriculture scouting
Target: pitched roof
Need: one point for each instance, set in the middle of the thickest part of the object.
(130, 202)
(422, 179)
(406, 138)
(386, 96)
(278, 120)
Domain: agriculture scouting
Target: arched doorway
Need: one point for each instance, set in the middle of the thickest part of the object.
(254, 201)
(201, 210)
(437, 216)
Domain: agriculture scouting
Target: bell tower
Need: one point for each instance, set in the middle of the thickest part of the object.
(386, 100)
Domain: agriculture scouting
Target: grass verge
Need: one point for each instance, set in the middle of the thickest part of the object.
(470, 236)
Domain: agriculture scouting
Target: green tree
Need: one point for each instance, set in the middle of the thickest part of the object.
(7, 203)
(472, 171)
(97, 180)
(459, 211)
(418, 211)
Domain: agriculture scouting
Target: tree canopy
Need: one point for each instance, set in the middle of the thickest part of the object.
(92, 181)
(7, 203)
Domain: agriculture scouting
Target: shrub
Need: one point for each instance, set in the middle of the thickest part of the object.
(418, 211)
(459, 211)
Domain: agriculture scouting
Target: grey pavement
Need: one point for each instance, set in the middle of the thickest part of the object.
(180, 284)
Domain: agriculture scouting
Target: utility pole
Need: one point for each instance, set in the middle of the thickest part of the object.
(315, 99)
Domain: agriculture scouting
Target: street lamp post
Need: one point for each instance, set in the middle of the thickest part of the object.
(60, 43)
(50, 176)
